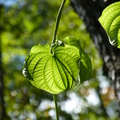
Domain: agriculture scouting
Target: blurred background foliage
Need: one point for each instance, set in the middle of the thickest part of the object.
(24, 23)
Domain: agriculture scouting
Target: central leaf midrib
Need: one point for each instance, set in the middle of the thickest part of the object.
(61, 74)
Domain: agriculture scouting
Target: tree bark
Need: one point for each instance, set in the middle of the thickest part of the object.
(89, 11)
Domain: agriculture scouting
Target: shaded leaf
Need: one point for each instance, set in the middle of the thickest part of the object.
(85, 65)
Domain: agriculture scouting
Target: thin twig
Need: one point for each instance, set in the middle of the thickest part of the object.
(56, 108)
(57, 21)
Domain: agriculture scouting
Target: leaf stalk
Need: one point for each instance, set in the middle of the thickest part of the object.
(57, 22)
(56, 108)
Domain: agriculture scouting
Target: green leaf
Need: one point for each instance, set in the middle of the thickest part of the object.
(55, 72)
(85, 65)
(110, 21)
(72, 41)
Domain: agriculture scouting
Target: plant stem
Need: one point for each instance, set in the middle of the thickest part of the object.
(56, 108)
(53, 41)
(57, 21)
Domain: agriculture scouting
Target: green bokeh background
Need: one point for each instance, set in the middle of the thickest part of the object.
(24, 23)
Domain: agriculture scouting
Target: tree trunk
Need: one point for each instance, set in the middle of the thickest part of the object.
(2, 103)
(90, 11)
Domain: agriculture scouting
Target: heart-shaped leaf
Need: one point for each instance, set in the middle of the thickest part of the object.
(110, 21)
(85, 65)
(54, 72)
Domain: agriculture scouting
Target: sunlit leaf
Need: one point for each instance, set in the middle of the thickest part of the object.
(110, 20)
(54, 72)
